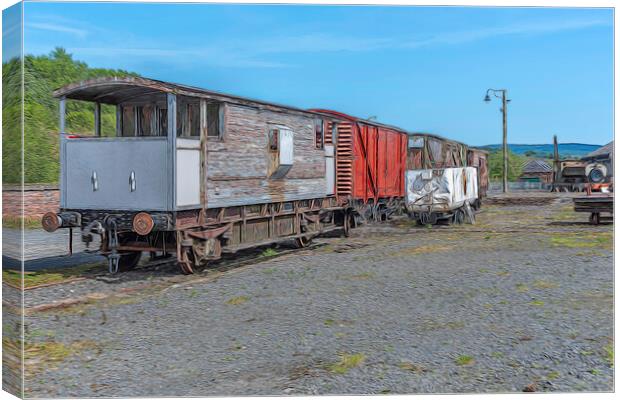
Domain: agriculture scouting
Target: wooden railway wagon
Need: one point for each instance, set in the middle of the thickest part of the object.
(194, 172)
(428, 151)
(370, 166)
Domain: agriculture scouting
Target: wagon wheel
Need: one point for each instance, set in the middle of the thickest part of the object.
(303, 241)
(595, 218)
(348, 223)
(459, 216)
(128, 260)
(186, 261)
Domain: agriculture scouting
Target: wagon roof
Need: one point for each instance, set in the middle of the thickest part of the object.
(439, 137)
(602, 152)
(351, 118)
(115, 90)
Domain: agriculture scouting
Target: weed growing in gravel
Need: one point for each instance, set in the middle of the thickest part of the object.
(269, 252)
(497, 354)
(553, 375)
(363, 276)
(522, 288)
(235, 301)
(544, 285)
(464, 360)
(609, 354)
(347, 361)
(329, 322)
(538, 303)
(407, 366)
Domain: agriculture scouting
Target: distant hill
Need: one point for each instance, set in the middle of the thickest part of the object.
(567, 150)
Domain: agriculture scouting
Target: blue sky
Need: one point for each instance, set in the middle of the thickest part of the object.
(421, 68)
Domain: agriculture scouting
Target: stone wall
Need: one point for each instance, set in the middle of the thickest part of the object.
(38, 199)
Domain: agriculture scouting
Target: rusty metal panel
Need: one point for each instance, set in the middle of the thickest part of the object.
(380, 158)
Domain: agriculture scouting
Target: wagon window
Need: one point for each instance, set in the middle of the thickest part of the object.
(318, 132)
(162, 122)
(273, 139)
(214, 116)
(128, 121)
(188, 120)
(416, 142)
(144, 117)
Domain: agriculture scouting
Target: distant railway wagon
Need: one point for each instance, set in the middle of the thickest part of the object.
(428, 151)
(479, 159)
(370, 166)
(193, 172)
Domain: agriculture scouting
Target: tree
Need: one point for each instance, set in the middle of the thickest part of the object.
(515, 165)
(42, 75)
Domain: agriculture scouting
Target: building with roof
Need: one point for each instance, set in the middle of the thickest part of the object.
(537, 171)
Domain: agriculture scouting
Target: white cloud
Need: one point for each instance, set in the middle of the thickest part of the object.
(57, 28)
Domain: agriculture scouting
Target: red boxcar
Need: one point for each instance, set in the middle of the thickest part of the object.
(371, 161)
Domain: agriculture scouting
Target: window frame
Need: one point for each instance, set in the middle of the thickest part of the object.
(319, 122)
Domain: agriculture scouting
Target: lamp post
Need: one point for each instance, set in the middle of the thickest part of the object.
(501, 94)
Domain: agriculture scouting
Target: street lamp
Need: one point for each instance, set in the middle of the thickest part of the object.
(501, 94)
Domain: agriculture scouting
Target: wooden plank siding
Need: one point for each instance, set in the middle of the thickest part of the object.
(237, 164)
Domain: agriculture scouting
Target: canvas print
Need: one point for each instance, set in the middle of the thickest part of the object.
(236, 200)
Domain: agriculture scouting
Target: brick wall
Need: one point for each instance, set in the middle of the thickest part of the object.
(38, 199)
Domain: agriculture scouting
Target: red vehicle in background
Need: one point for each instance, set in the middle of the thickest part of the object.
(371, 160)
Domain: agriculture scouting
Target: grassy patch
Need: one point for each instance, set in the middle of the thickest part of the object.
(41, 355)
(235, 301)
(347, 361)
(429, 248)
(553, 375)
(464, 360)
(34, 278)
(269, 252)
(583, 240)
(9, 221)
(538, 303)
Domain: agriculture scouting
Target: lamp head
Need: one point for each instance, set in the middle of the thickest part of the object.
(487, 98)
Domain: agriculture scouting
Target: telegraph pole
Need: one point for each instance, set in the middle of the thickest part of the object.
(505, 102)
(505, 141)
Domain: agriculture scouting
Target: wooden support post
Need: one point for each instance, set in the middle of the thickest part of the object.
(62, 109)
(119, 120)
(172, 148)
(203, 152)
(97, 119)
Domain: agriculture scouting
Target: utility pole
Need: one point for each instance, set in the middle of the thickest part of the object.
(504, 110)
(556, 160)
(505, 141)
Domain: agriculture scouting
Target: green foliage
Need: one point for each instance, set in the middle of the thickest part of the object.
(496, 163)
(42, 75)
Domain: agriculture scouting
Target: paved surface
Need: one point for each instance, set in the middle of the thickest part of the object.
(524, 298)
(43, 250)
